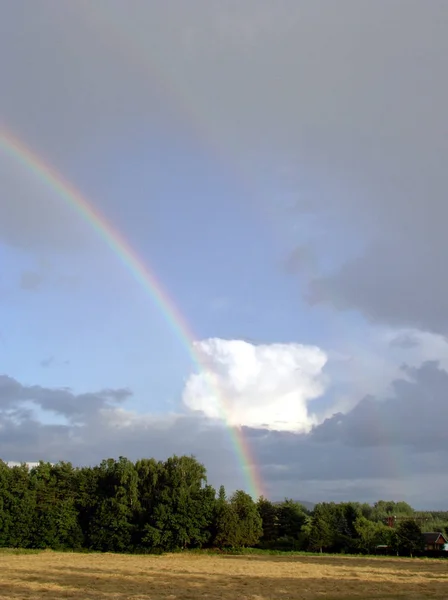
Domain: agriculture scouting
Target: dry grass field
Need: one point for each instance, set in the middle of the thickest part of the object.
(54, 576)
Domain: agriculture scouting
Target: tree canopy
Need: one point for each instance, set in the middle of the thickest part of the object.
(156, 506)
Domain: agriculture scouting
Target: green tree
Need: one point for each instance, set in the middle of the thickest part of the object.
(120, 506)
(321, 534)
(291, 519)
(371, 534)
(5, 514)
(222, 496)
(409, 538)
(366, 510)
(20, 505)
(250, 525)
(182, 508)
(269, 519)
(111, 527)
(226, 533)
(55, 523)
(343, 517)
(403, 508)
(44, 531)
(237, 523)
(87, 500)
(148, 473)
(221, 527)
(388, 508)
(66, 510)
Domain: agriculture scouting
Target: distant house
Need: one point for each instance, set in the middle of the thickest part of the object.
(435, 541)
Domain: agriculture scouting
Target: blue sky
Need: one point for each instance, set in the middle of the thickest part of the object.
(288, 194)
(215, 253)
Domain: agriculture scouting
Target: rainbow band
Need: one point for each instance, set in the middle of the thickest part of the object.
(14, 148)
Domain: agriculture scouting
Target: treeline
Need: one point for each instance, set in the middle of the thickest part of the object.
(156, 506)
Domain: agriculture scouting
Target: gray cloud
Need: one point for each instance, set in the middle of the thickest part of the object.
(341, 107)
(378, 448)
(398, 284)
(305, 82)
(414, 416)
(60, 401)
(405, 341)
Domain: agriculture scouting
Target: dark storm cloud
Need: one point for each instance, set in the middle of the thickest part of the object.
(414, 416)
(349, 97)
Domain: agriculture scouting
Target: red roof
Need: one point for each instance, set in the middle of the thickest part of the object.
(434, 537)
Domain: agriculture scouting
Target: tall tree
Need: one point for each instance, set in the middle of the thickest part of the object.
(226, 527)
(250, 525)
(321, 534)
(5, 509)
(111, 527)
(371, 534)
(409, 538)
(344, 516)
(269, 519)
(291, 519)
(44, 533)
(183, 506)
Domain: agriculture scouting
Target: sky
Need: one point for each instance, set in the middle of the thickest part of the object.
(279, 167)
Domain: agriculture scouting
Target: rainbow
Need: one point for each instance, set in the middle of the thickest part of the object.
(142, 273)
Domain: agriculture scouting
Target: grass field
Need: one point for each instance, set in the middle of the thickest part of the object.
(52, 575)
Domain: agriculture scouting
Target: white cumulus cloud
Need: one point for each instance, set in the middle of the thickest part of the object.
(266, 385)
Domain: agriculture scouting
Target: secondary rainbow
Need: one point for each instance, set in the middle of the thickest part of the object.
(141, 272)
